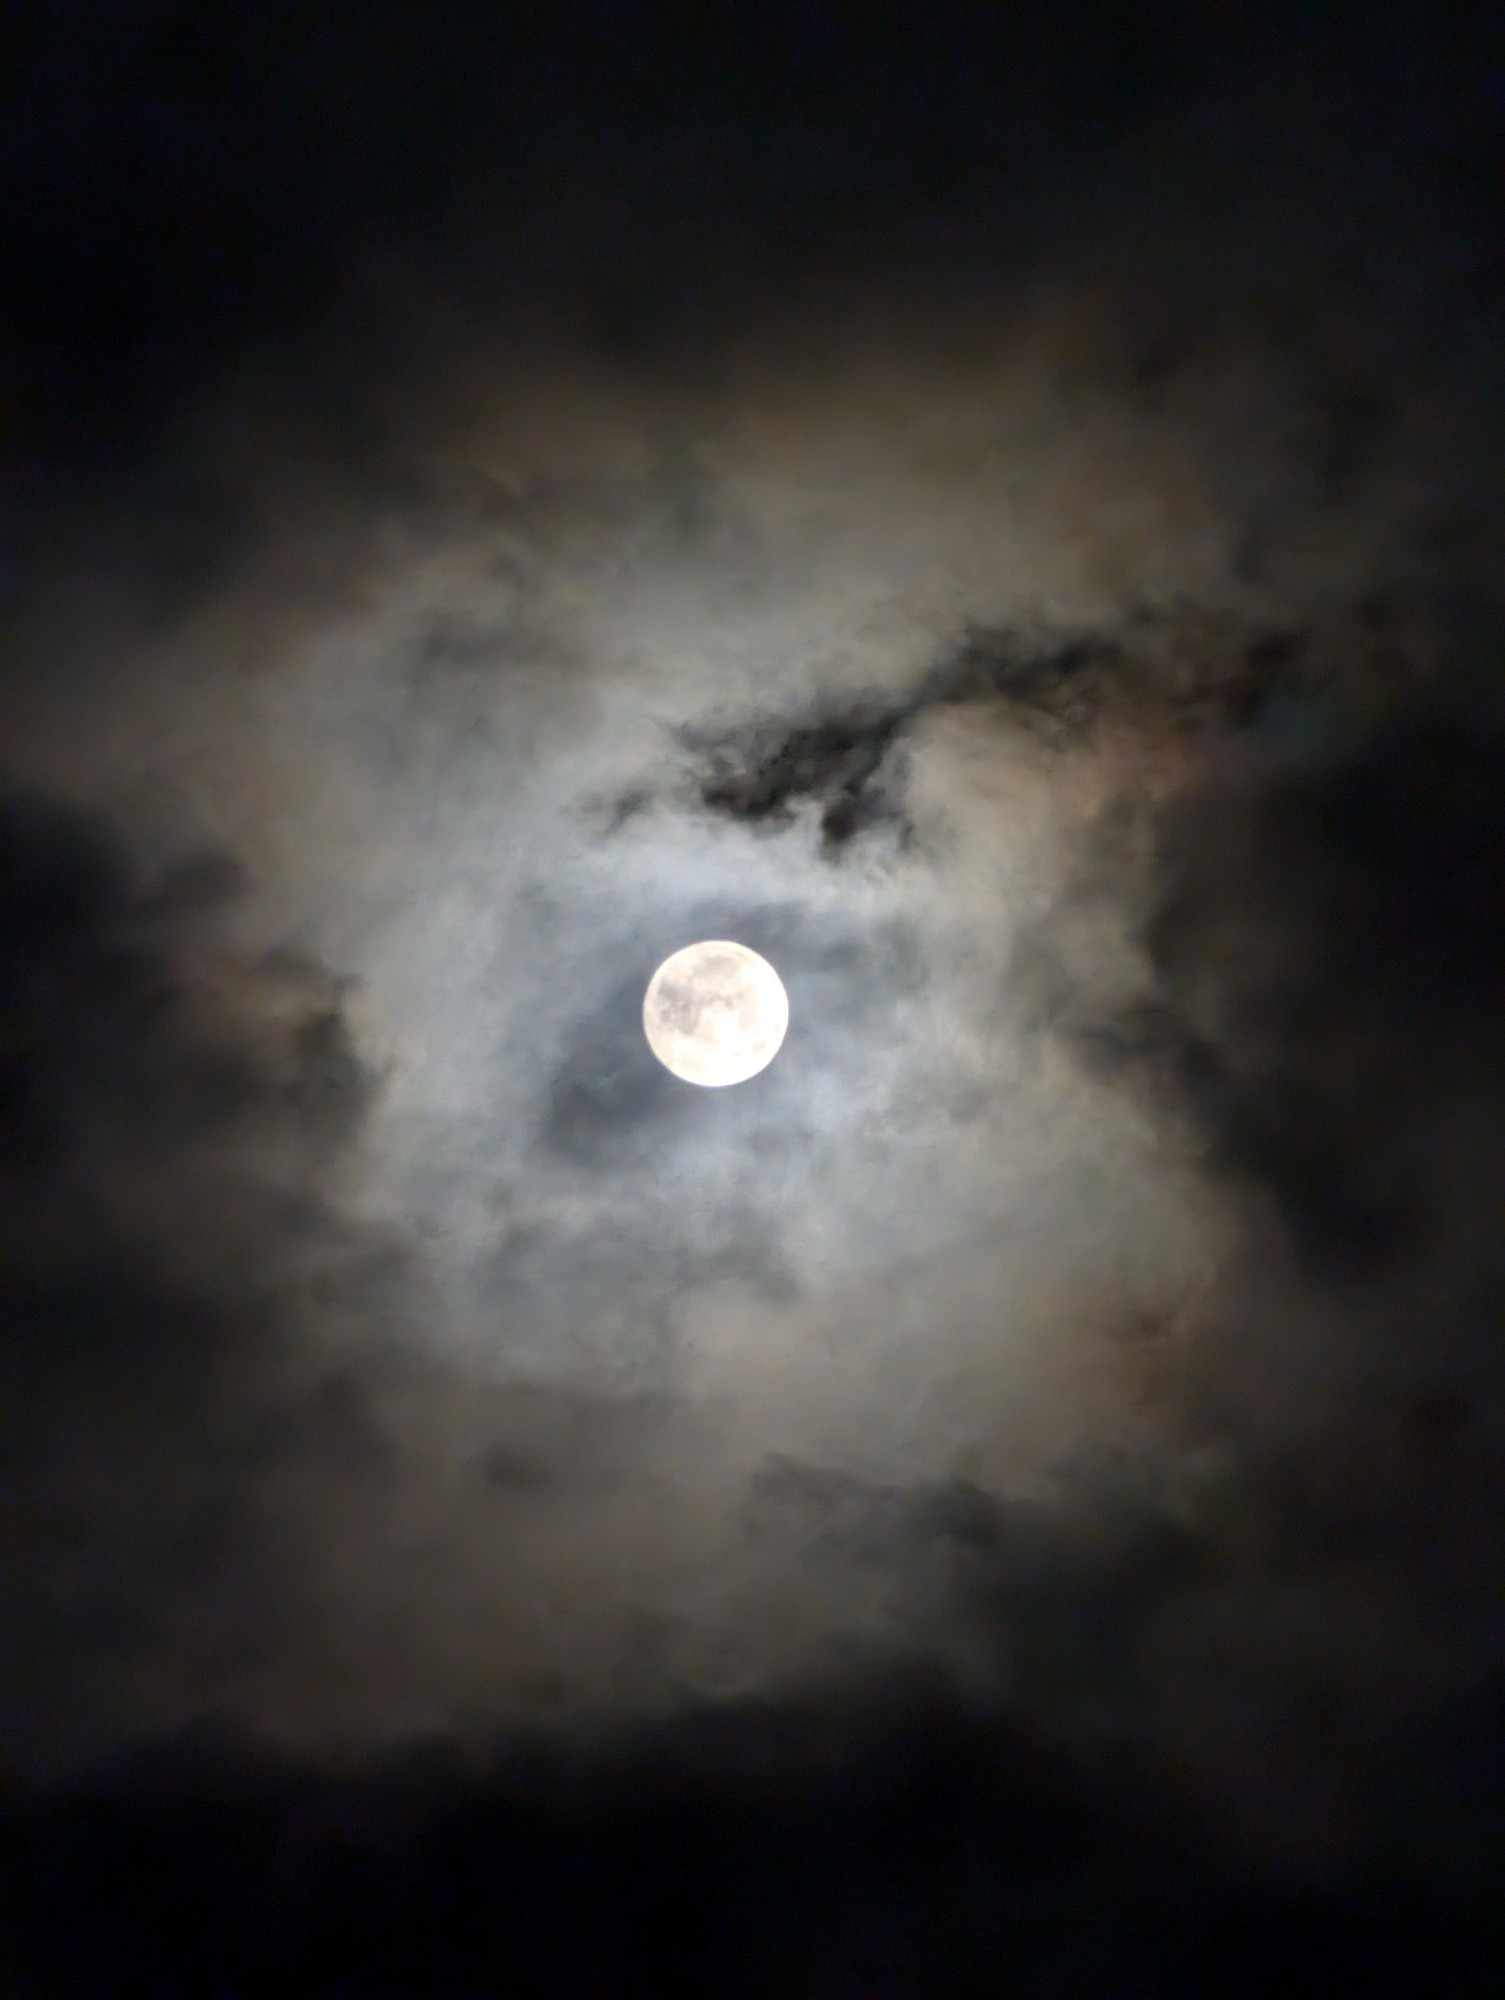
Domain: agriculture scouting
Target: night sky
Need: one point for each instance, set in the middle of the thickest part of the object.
(1002, 511)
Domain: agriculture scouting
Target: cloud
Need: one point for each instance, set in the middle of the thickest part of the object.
(1090, 1310)
(173, 1114)
(1342, 977)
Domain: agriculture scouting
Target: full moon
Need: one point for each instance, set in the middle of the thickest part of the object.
(715, 1013)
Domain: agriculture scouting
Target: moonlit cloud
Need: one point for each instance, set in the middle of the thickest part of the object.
(1025, 654)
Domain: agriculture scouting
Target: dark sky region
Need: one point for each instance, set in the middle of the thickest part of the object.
(998, 508)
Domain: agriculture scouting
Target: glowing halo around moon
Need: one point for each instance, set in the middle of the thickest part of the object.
(715, 1013)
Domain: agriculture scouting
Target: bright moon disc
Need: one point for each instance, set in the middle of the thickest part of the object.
(715, 1013)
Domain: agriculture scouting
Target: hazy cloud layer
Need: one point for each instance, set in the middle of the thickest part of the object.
(1069, 668)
